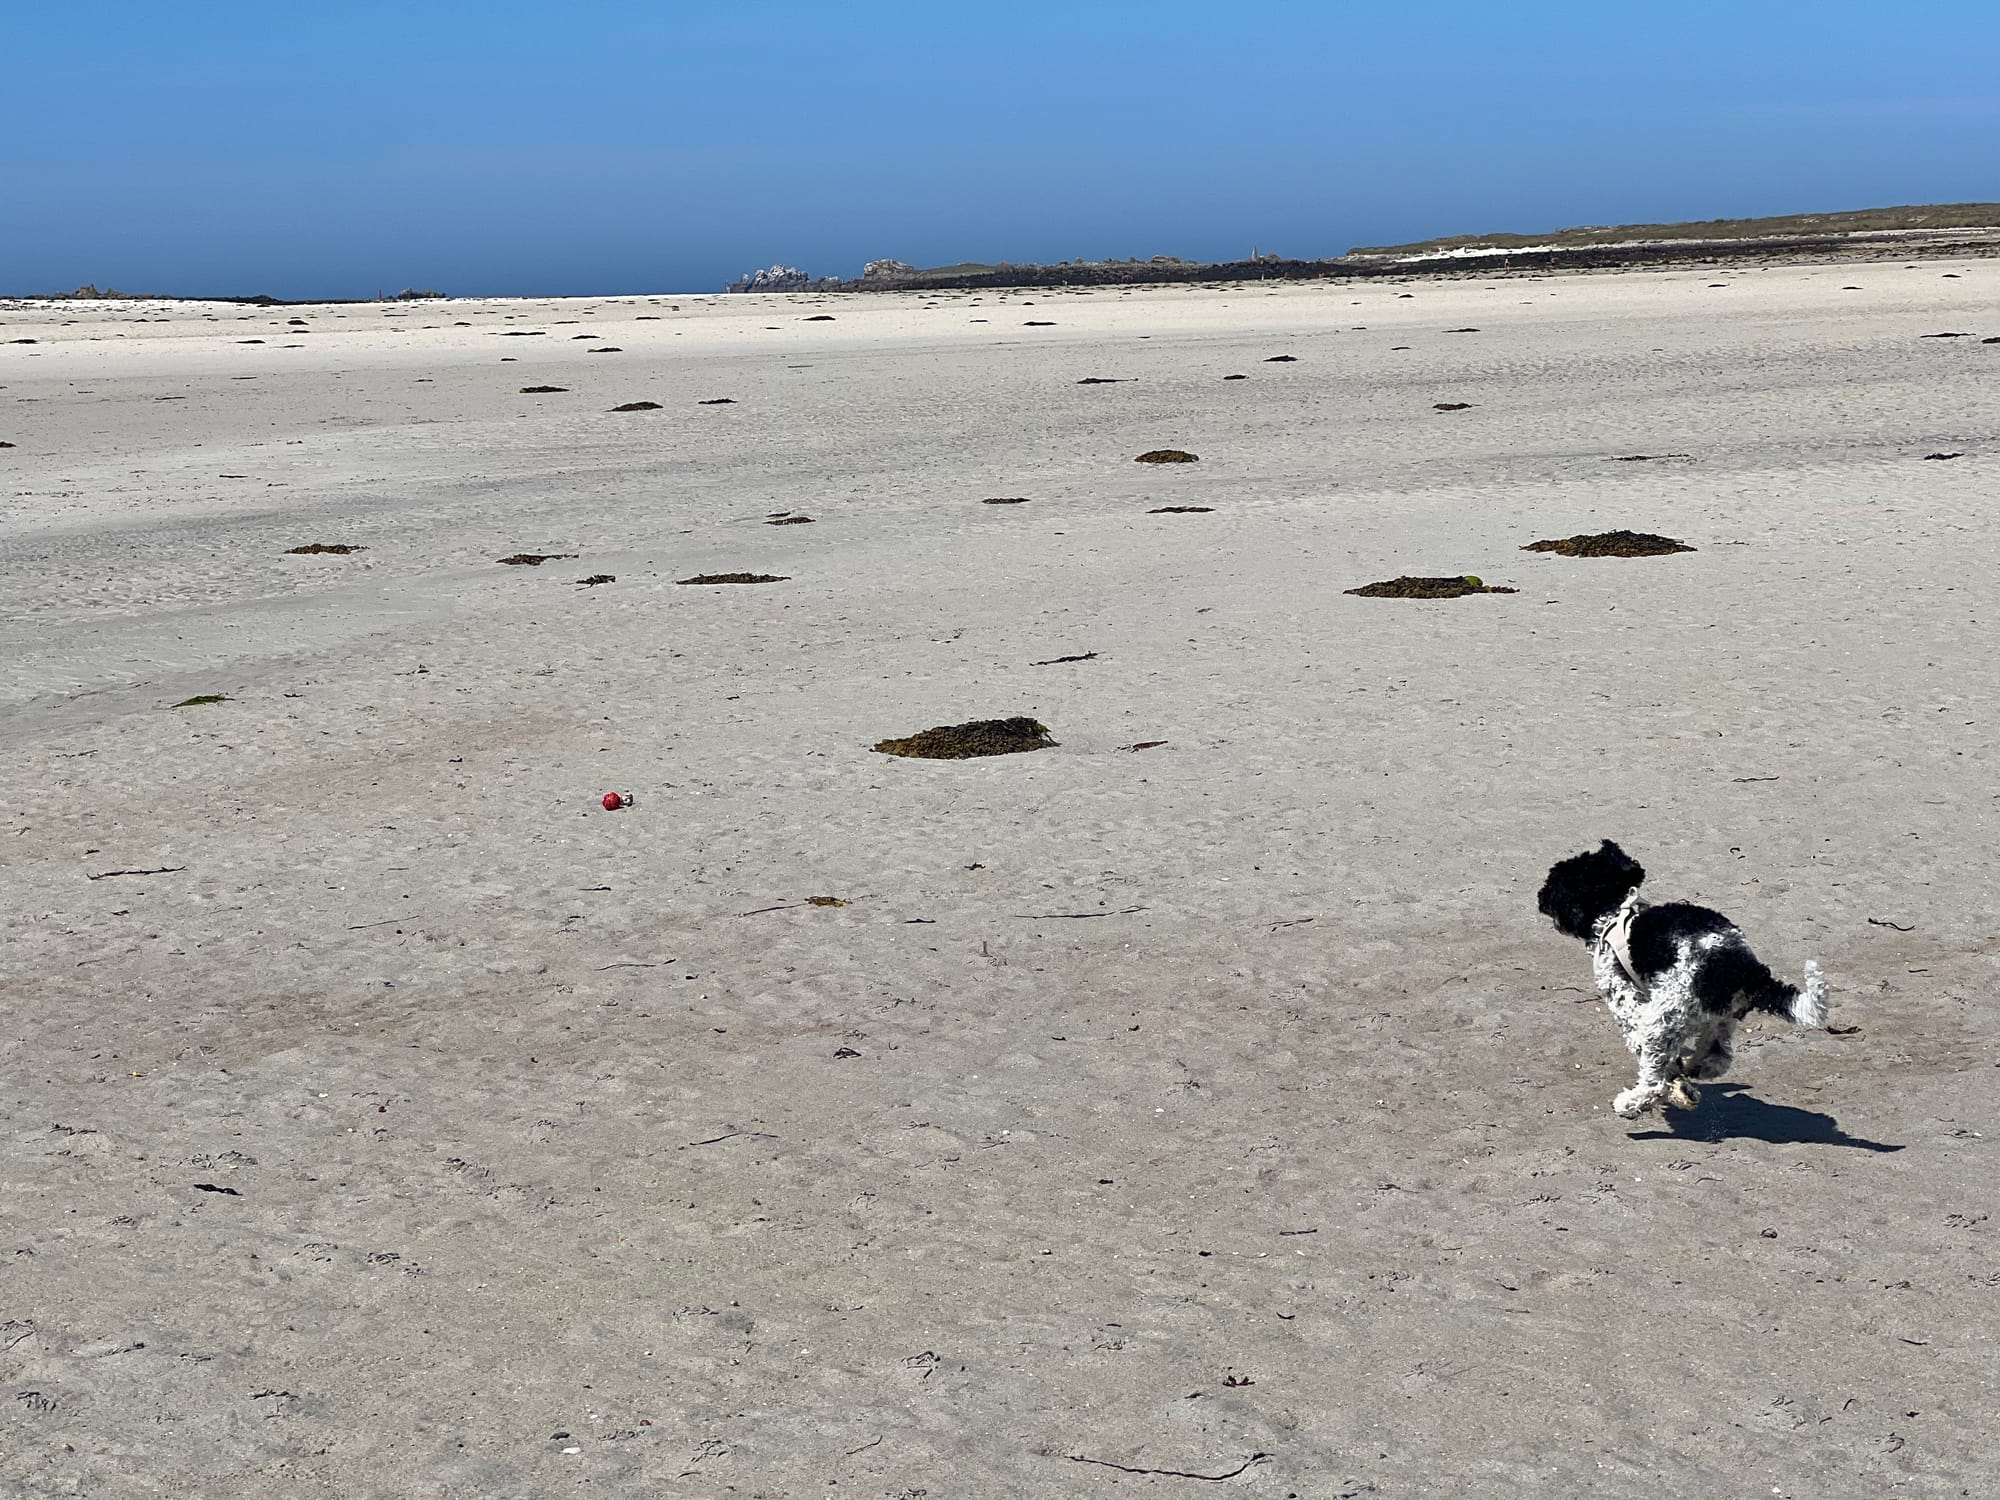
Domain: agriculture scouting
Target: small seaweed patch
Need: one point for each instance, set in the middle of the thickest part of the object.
(1105, 380)
(202, 699)
(1038, 323)
(1610, 544)
(821, 318)
(596, 578)
(979, 737)
(1167, 456)
(1651, 458)
(1461, 330)
(1236, 377)
(1451, 406)
(607, 349)
(638, 406)
(544, 390)
(1005, 500)
(313, 549)
(826, 900)
(718, 401)
(535, 559)
(789, 521)
(1179, 510)
(1941, 457)
(1428, 588)
(1282, 359)
(734, 578)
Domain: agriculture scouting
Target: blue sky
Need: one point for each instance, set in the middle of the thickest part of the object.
(334, 149)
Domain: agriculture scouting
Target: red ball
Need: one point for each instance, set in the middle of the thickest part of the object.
(613, 801)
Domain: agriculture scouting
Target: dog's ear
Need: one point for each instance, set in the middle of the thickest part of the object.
(1626, 867)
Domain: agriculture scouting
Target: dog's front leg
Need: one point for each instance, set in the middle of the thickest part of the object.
(1653, 1085)
(1623, 998)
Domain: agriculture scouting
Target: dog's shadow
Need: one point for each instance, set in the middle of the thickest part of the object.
(1726, 1112)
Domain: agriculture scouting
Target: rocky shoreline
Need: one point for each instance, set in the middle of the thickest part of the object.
(1165, 271)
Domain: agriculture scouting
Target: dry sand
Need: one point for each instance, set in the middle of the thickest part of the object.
(1145, 1116)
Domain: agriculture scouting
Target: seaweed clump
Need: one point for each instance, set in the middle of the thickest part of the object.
(313, 549)
(965, 741)
(734, 578)
(1167, 456)
(1180, 510)
(638, 406)
(1610, 544)
(535, 559)
(1428, 588)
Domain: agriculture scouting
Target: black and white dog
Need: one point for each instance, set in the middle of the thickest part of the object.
(1677, 978)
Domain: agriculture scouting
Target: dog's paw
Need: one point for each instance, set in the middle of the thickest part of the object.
(1632, 1103)
(1682, 1095)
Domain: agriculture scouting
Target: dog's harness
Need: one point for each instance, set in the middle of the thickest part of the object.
(1617, 936)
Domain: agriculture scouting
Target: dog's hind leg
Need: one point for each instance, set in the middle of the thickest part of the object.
(1721, 1053)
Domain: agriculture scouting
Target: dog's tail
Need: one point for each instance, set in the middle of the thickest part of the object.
(1810, 1006)
(1802, 1007)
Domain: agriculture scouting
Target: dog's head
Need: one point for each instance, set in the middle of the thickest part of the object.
(1586, 888)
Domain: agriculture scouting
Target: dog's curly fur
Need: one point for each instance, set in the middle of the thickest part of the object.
(1677, 978)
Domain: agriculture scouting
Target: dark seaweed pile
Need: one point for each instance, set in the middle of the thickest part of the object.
(1428, 588)
(979, 737)
(1610, 544)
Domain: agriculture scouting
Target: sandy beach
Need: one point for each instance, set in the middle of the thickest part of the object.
(1213, 1117)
